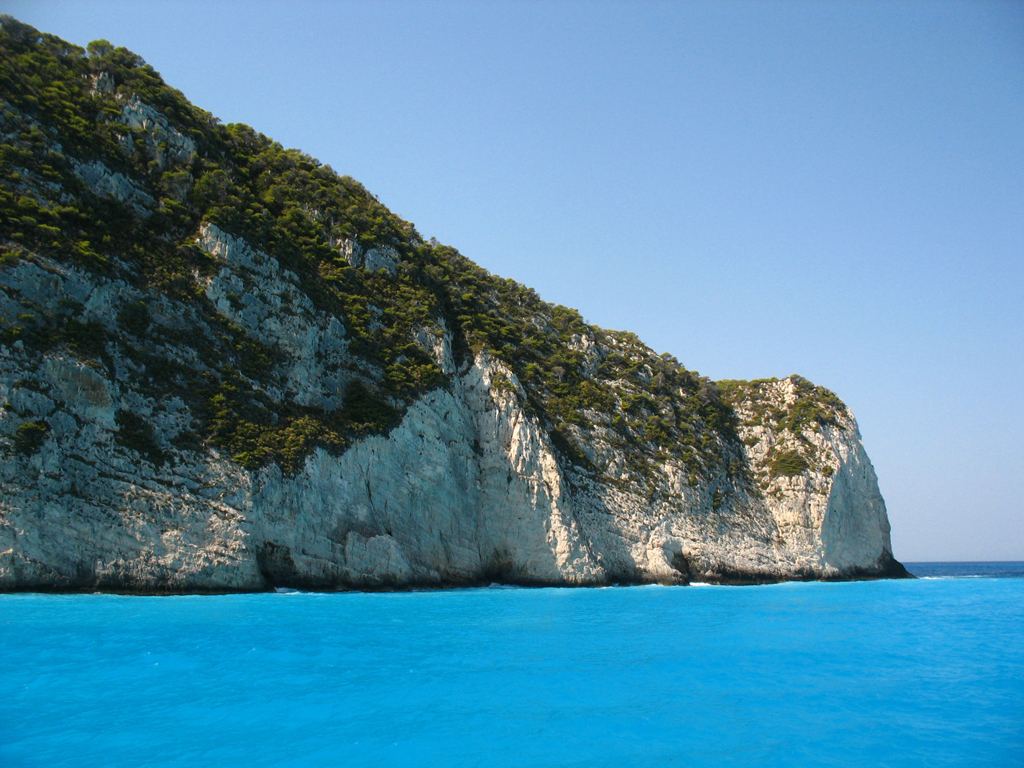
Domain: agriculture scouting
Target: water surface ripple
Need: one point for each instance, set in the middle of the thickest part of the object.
(901, 673)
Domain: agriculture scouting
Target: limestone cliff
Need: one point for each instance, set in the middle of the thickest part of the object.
(225, 367)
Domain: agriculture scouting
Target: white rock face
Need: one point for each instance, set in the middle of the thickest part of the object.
(831, 518)
(123, 368)
(372, 260)
(254, 292)
(164, 143)
(467, 488)
(103, 83)
(107, 183)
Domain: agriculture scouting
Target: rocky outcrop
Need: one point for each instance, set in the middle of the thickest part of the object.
(805, 451)
(163, 144)
(224, 367)
(372, 260)
(468, 488)
(107, 183)
(266, 302)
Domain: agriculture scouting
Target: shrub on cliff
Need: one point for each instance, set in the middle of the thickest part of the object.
(788, 464)
(29, 437)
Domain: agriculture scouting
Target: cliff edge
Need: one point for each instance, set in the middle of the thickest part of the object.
(225, 367)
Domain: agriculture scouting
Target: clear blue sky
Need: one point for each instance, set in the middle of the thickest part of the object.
(829, 188)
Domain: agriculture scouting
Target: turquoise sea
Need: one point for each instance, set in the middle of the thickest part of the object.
(887, 673)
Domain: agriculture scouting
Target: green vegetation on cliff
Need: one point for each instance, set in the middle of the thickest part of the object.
(788, 464)
(812, 408)
(29, 436)
(105, 167)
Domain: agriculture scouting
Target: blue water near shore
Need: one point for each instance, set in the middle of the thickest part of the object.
(887, 673)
